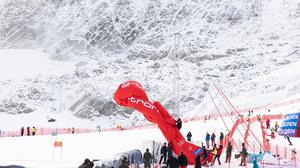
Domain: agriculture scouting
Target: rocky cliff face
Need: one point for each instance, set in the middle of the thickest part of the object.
(230, 43)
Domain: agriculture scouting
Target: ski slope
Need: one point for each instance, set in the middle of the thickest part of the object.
(38, 151)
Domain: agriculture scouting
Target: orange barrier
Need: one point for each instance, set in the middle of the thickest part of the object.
(58, 144)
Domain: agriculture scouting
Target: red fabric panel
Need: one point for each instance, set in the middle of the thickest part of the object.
(129, 89)
(131, 94)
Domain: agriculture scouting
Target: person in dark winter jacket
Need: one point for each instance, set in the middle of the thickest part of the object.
(286, 136)
(172, 162)
(213, 139)
(228, 152)
(147, 159)
(198, 161)
(73, 130)
(221, 138)
(124, 163)
(87, 164)
(28, 131)
(179, 123)
(163, 153)
(91, 164)
(169, 150)
(22, 131)
(182, 161)
(207, 138)
(189, 136)
(244, 155)
(204, 156)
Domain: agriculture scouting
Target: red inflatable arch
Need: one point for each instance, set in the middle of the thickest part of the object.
(131, 94)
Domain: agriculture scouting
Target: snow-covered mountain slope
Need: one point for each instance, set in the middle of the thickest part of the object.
(239, 45)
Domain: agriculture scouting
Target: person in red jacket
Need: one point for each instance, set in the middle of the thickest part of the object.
(219, 152)
(268, 123)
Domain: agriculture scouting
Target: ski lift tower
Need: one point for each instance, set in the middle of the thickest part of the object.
(176, 78)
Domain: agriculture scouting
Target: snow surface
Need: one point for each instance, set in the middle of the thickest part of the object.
(38, 151)
(20, 64)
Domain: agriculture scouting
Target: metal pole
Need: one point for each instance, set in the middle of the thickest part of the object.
(176, 95)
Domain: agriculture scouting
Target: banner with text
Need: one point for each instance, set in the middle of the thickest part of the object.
(290, 125)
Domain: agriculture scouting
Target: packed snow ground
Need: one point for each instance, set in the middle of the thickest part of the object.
(38, 151)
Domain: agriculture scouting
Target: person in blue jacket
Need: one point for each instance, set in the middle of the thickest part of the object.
(207, 138)
(254, 162)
